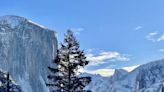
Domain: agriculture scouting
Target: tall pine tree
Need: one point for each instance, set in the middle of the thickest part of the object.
(66, 76)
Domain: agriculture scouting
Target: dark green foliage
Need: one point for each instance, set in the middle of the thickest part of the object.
(7, 85)
(69, 59)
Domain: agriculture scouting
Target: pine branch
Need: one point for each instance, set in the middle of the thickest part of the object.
(53, 70)
(54, 77)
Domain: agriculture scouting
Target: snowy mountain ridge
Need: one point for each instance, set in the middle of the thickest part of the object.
(146, 78)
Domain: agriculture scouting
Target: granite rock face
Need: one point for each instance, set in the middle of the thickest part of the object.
(145, 78)
(26, 49)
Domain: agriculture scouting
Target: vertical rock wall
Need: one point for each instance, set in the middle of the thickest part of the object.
(26, 49)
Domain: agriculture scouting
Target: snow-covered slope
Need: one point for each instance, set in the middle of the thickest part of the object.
(146, 78)
(100, 83)
(26, 49)
(96, 80)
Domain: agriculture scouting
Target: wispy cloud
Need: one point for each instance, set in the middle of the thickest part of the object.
(161, 38)
(155, 37)
(108, 72)
(152, 36)
(138, 28)
(106, 56)
(153, 33)
(77, 30)
(102, 72)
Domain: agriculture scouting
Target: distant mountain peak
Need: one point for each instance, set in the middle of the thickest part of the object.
(118, 71)
(145, 78)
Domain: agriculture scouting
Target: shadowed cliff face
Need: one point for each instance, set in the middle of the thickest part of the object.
(26, 49)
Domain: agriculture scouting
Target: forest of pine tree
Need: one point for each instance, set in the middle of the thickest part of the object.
(69, 59)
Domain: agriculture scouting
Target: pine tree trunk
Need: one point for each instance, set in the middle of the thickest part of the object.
(69, 80)
(69, 73)
(8, 85)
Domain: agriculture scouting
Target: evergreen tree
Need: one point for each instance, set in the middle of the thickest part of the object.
(66, 77)
(7, 85)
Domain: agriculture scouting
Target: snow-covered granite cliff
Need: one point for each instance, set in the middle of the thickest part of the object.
(26, 49)
(146, 78)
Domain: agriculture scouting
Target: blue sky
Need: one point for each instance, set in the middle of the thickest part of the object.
(114, 33)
